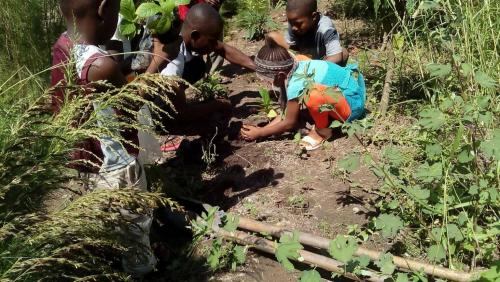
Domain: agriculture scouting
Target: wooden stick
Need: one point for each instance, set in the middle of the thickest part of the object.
(386, 92)
(323, 243)
(307, 257)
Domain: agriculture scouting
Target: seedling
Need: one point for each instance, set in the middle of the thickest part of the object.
(266, 104)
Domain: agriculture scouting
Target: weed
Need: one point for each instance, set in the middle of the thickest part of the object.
(210, 151)
(211, 88)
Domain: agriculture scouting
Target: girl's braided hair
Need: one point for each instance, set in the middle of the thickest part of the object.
(272, 59)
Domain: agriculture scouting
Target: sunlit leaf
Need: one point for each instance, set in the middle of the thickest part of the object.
(492, 274)
(146, 10)
(350, 163)
(432, 119)
(386, 264)
(288, 248)
(491, 148)
(389, 224)
(343, 248)
(127, 28)
(326, 108)
(335, 124)
(436, 253)
(272, 114)
(433, 151)
(439, 70)
(484, 80)
(310, 276)
(127, 10)
(454, 232)
(429, 173)
(419, 193)
(467, 69)
(402, 277)
(230, 222)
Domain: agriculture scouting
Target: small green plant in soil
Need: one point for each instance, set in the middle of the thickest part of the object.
(211, 88)
(267, 104)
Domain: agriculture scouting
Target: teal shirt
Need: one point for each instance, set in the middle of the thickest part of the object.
(331, 75)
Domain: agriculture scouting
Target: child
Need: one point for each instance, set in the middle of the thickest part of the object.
(336, 93)
(311, 33)
(199, 36)
(93, 23)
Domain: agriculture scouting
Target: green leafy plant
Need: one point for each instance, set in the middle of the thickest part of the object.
(158, 16)
(257, 23)
(267, 104)
(288, 248)
(211, 88)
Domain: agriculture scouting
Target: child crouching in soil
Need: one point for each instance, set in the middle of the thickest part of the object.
(329, 91)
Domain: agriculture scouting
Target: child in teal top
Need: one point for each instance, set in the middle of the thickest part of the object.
(326, 89)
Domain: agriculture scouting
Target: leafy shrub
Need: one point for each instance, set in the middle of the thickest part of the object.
(257, 23)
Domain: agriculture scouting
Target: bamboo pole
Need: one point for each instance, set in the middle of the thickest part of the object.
(323, 243)
(307, 257)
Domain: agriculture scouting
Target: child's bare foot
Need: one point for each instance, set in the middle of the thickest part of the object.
(316, 138)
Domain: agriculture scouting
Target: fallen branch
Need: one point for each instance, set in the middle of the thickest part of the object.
(323, 243)
(386, 92)
(307, 257)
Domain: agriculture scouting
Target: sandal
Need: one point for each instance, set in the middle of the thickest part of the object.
(309, 144)
(171, 144)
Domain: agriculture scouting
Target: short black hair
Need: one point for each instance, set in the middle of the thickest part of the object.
(303, 6)
(204, 18)
(78, 8)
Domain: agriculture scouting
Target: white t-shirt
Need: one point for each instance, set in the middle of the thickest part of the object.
(176, 66)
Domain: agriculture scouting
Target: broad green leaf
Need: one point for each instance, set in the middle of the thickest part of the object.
(213, 258)
(167, 6)
(454, 233)
(484, 80)
(163, 24)
(343, 248)
(398, 42)
(310, 276)
(386, 264)
(288, 248)
(389, 224)
(358, 264)
(467, 69)
(127, 10)
(272, 114)
(463, 218)
(428, 174)
(437, 234)
(146, 10)
(491, 148)
(492, 274)
(239, 254)
(465, 156)
(394, 156)
(350, 163)
(433, 151)
(419, 193)
(438, 70)
(297, 137)
(432, 119)
(335, 124)
(127, 28)
(402, 277)
(436, 253)
(230, 222)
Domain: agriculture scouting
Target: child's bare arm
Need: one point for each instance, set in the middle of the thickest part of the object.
(234, 56)
(279, 39)
(250, 133)
(106, 69)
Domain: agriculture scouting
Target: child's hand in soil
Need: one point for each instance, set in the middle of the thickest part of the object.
(250, 132)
